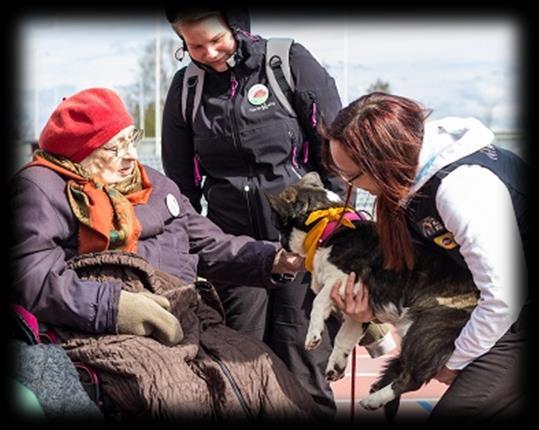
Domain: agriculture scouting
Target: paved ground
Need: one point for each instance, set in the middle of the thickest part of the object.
(415, 406)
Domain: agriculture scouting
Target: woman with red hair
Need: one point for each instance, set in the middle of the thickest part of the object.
(444, 184)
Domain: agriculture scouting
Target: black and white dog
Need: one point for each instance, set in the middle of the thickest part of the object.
(428, 305)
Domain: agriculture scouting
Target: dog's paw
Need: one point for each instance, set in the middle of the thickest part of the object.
(312, 341)
(336, 366)
(334, 374)
(378, 398)
(370, 403)
(375, 387)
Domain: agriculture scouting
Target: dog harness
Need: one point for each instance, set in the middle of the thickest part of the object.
(329, 220)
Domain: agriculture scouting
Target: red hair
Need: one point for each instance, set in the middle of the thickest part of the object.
(382, 134)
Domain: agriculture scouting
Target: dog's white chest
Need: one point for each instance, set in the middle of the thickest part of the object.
(325, 273)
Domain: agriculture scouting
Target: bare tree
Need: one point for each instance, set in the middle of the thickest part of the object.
(379, 85)
(144, 91)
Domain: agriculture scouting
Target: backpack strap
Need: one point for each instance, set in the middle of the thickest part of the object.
(193, 83)
(278, 71)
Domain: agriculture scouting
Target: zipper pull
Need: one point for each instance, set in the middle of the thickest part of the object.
(305, 152)
(233, 85)
(294, 157)
(196, 171)
(314, 116)
(294, 154)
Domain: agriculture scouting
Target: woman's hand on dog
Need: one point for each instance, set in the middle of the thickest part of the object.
(356, 306)
(446, 375)
(287, 262)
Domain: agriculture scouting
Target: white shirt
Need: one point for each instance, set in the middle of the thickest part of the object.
(475, 205)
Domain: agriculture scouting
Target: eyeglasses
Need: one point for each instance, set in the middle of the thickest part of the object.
(126, 144)
(350, 181)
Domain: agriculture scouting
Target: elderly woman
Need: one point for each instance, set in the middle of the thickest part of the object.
(108, 250)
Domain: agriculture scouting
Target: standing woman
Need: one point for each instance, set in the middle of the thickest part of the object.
(247, 144)
(444, 183)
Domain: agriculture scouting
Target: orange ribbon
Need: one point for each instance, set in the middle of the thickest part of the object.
(324, 217)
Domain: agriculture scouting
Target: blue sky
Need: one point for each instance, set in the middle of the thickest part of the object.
(457, 67)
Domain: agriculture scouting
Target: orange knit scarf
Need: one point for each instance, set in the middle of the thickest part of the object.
(106, 215)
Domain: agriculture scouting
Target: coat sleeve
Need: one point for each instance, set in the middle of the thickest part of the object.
(41, 283)
(227, 258)
(316, 94)
(177, 148)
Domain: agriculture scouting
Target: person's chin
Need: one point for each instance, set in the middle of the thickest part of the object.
(219, 67)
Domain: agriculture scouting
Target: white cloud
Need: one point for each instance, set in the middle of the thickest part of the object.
(84, 51)
(377, 41)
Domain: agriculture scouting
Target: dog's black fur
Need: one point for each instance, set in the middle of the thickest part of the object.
(433, 327)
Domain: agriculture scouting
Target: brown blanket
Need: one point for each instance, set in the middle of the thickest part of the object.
(214, 374)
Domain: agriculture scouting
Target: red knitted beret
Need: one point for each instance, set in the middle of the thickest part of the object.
(84, 122)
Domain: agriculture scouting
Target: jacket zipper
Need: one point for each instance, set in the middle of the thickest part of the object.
(232, 381)
(295, 171)
(234, 84)
(253, 212)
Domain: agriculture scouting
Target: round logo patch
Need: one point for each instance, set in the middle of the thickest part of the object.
(258, 94)
(172, 205)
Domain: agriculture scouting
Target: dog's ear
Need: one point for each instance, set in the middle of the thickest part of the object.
(281, 203)
(312, 179)
(290, 195)
(279, 210)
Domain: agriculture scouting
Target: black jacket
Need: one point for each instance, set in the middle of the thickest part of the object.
(245, 150)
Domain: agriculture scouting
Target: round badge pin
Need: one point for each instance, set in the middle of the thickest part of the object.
(172, 205)
(258, 94)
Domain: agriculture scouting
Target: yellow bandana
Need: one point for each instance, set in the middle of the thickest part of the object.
(324, 217)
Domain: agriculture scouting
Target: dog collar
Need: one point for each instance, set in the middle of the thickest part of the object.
(326, 225)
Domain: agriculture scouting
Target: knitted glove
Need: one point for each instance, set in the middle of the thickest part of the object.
(147, 314)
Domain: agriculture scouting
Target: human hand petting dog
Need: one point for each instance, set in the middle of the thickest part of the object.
(356, 306)
(147, 314)
(287, 262)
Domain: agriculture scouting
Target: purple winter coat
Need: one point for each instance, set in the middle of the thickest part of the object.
(45, 237)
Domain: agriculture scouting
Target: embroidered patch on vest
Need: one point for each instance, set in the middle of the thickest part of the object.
(446, 241)
(430, 226)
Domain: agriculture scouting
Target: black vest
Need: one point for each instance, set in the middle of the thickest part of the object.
(424, 220)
